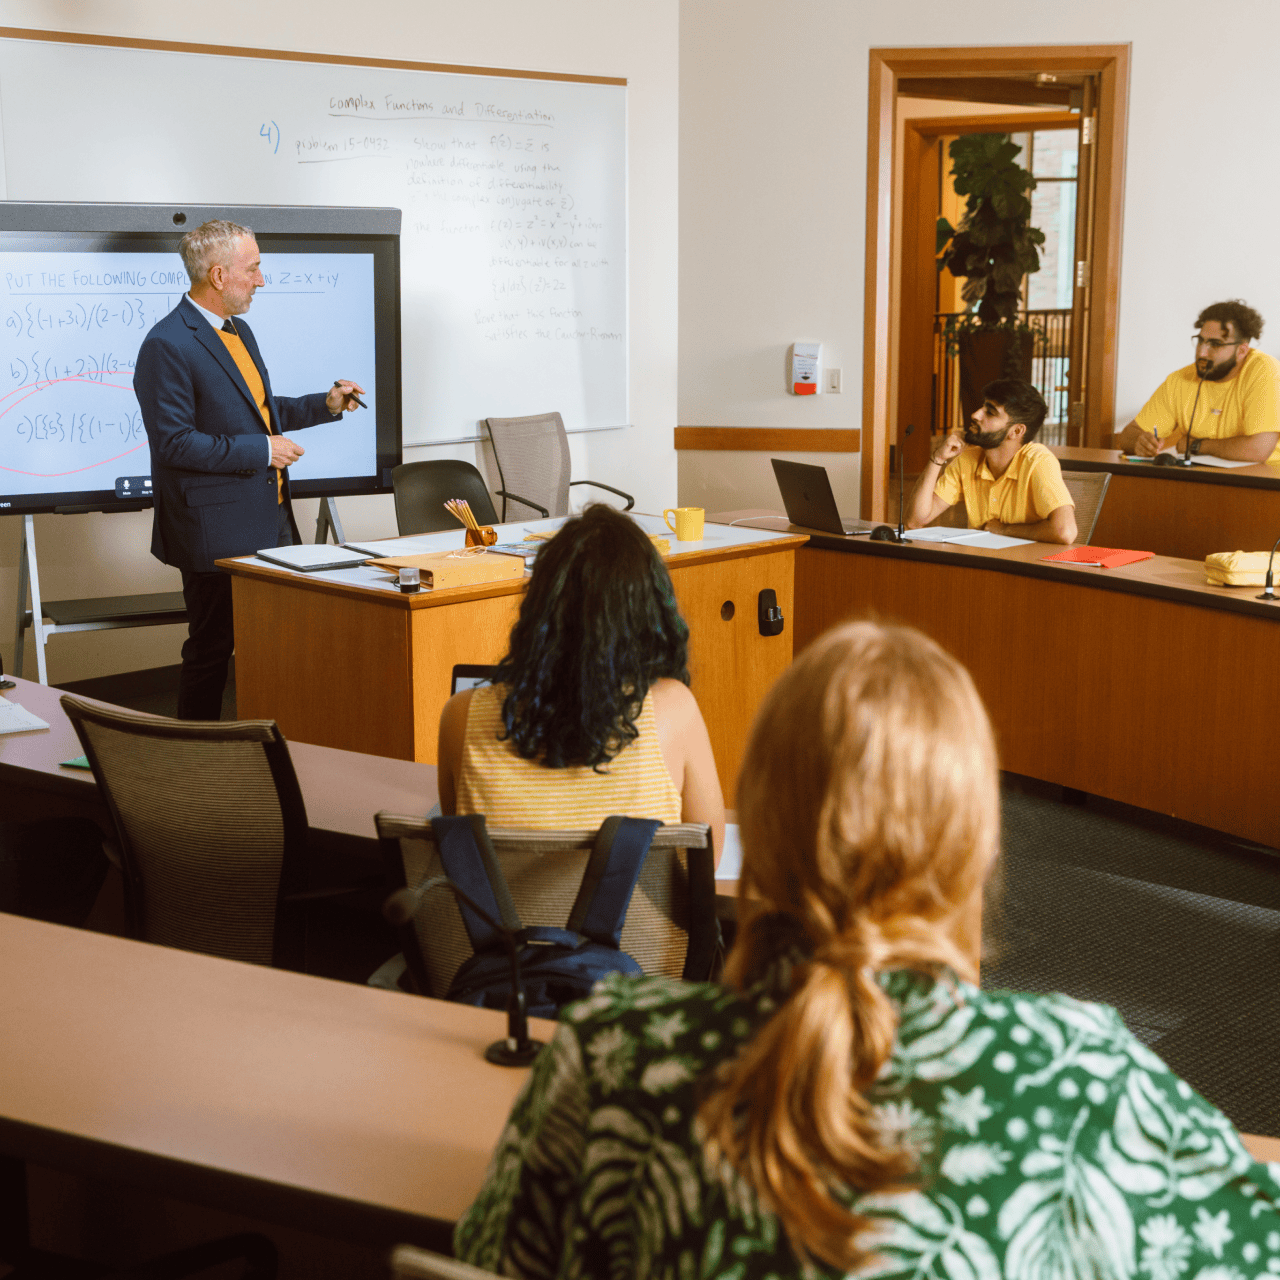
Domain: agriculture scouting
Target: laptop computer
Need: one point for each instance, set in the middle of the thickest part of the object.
(806, 494)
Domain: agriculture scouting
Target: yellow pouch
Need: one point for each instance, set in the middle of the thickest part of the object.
(1236, 568)
(456, 569)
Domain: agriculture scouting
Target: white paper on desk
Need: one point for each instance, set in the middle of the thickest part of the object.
(995, 540)
(398, 547)
(1207, 460)
(731, 857)
(16, 719)
(940, 533)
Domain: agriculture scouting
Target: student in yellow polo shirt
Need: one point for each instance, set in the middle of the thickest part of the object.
(1230, 396)
(1009, 484)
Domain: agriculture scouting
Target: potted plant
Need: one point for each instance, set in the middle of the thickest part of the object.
(992, 250)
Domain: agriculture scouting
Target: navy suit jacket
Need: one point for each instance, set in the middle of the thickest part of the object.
(214, 493)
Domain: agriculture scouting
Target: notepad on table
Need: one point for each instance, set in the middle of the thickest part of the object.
(1099, 557)
(16, 719)
(312, 557)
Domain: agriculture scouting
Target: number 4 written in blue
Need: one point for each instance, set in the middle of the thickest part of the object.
(270, 131)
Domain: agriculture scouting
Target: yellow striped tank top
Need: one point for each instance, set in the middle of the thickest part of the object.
(513, 792)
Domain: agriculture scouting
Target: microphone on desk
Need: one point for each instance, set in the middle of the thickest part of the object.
(883, 532)
(1267, 592)
(1167, 459)
(517, 1050)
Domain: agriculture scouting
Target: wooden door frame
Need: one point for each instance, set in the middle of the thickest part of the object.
(1111, 64)
(917, 275)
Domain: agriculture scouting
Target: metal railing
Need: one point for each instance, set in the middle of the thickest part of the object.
(1050, 345)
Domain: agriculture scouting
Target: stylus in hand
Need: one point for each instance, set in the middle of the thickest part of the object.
(351, 395)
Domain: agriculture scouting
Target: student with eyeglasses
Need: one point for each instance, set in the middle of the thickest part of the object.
(1231, 391)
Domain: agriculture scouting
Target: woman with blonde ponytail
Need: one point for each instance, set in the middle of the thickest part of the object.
(848, 1100)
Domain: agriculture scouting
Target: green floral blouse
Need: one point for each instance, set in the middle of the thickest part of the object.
(1052, 1145)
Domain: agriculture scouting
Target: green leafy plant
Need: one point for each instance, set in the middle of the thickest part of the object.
(995, 245)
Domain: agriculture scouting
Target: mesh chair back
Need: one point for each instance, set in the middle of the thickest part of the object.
(670, 925)
(1087, 490)
(409, 1263)
(422, 487)
(532, 455)
(211, 827)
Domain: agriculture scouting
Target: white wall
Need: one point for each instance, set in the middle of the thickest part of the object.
(773, 131)
(101, 555)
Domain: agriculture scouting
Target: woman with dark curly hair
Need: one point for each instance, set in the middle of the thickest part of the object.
(590, 712)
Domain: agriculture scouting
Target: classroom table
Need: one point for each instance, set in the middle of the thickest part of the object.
(344, 659)
(347, 1111)
(1142, 684)
(342, 790)
(339, 1109)
(1187, 512)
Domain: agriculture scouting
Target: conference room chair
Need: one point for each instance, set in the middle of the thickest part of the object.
(532, 455)
(670, 928)
(211, 829)
(1087, 490)
(421, 489)
(410, 1263)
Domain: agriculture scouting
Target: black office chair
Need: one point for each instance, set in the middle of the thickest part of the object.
(421, 489)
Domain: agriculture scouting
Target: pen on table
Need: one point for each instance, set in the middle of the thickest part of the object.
(351, 395)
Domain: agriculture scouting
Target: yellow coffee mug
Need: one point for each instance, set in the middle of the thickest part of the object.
(688, 525)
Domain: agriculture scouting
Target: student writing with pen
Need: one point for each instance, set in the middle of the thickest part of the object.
(1233, 391)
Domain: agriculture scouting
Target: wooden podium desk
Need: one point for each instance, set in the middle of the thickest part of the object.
(340, 1109)
(343, 659)
(1142, 684)
(1189, 512)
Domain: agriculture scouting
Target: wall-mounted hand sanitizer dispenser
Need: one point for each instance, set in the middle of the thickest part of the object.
(805, 368)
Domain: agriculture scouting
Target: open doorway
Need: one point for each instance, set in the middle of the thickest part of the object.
(1043, 95)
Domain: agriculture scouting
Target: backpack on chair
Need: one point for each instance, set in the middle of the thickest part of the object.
(557, 966)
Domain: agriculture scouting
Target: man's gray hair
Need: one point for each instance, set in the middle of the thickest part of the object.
(210, 244)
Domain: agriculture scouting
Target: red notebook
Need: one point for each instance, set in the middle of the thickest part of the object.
(1106, 557)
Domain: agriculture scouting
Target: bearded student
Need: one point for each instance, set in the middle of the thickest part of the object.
(1228, 399)
(1010, 484)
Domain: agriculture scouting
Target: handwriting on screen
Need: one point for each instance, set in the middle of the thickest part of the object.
(73, 323)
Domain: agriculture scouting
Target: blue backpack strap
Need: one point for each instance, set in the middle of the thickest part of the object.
(469, 860)
(610, 879)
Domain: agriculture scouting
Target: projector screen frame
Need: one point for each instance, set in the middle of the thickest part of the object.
(83, 227)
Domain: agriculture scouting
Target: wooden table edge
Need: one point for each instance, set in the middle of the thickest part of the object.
(1205, 596)
(288, 1204)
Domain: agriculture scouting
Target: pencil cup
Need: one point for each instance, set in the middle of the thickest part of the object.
(485, 536)
(688, 522)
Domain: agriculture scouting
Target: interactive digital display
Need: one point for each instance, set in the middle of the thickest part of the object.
(75, 308)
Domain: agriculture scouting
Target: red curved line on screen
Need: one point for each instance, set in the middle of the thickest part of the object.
(38, 386)
(49, 475)
(41, 386)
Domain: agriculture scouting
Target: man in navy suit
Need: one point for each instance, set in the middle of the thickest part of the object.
(219, 454)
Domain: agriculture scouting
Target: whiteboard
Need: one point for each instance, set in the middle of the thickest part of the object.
(513, 191)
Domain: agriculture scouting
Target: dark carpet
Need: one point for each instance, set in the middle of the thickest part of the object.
(1175, 926)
